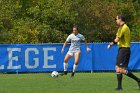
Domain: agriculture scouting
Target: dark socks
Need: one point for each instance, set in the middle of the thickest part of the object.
(119, 78)
(129, 74)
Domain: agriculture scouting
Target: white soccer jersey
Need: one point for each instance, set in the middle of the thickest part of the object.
(75, 42)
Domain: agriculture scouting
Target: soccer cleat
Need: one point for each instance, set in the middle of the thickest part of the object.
(72, 74)
(118, 89)
(64, 73)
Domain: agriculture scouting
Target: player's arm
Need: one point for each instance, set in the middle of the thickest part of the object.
(116, 40)
(113, 42)
(64, 45)
(87, 48)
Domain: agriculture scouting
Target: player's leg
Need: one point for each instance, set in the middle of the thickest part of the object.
(131, 75)
(76, 57)
(67, 57)
(123, 69)
(119, 75)
(119, 78)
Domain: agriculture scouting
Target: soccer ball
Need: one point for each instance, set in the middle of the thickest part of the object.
(54, 74)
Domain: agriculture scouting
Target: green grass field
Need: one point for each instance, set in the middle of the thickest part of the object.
(81, 83)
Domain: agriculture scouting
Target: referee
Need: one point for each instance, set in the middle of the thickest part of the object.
(123, 41)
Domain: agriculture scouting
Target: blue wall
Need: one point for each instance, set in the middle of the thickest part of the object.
(48, 57)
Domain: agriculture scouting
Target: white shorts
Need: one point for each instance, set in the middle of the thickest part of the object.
(72, 53)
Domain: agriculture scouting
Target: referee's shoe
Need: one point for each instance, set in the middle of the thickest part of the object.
(118, 89)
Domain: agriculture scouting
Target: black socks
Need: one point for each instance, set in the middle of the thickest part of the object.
(119, 78)
(129, 74)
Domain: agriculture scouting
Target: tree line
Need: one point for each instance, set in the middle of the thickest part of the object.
(51, 21)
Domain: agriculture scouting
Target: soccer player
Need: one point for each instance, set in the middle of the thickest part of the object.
(74, 49)
(123, 41)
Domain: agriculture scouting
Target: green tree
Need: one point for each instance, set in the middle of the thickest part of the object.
(50, 21)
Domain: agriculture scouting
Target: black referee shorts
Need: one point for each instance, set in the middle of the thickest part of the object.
(123, 57)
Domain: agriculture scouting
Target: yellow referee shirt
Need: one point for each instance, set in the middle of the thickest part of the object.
(124, 36)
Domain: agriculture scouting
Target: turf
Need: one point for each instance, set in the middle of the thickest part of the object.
(81, 83)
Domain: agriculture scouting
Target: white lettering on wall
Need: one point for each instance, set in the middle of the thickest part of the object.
(11, 58)
(47, 57)
(2, 67)
(27, 51)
